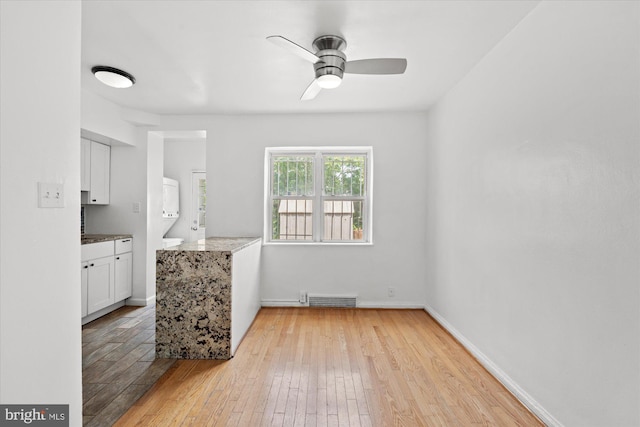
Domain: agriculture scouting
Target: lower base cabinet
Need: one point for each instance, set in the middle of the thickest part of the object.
(100, 284)
(106, 271)
(123, 276)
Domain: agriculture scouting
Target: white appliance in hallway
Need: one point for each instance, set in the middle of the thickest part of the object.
(170, 210)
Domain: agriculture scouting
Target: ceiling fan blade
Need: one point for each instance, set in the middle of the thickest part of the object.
(294, 48)
(312, 90)
(376, 66)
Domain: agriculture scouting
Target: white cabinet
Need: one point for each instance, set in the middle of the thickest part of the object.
(100, 283)
(100, 166)
(97, 171)
(84, 274)
(106, 271)
(85, 165)
(123, 269)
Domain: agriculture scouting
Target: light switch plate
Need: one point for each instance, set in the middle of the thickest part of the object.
(50, 195)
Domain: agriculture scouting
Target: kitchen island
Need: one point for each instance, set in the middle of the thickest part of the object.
(207, 295)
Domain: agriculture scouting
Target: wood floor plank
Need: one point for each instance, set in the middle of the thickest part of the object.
(99, 353)
(118, 367)
(136, 346)
(90, 390)
(326, 367)
(102, 399)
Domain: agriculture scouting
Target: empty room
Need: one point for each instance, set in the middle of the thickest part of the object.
(359, 213)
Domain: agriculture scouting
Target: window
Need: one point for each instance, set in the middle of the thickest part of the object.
(318, 195)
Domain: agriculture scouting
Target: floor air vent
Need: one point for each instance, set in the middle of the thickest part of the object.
(332, 301)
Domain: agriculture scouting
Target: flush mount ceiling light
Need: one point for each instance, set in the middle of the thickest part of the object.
(113, 77)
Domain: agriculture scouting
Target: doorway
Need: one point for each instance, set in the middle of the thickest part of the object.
(198, 211)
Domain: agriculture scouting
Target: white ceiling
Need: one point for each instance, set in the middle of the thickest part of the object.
(202, 57)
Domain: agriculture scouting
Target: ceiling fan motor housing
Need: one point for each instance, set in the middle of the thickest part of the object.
(332, 59)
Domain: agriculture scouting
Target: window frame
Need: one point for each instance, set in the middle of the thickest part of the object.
(319, 197)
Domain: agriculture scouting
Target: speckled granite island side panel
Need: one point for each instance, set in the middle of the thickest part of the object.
(193, 304)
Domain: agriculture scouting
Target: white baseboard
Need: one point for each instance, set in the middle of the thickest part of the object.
(364, 304)
(390, 305)
(141, 302)
(498, 373)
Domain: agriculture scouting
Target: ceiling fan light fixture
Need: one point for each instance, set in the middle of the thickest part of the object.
(113, 77)
(330, 62)
(329, 81)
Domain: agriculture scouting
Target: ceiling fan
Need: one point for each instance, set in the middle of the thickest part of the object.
(330, 62)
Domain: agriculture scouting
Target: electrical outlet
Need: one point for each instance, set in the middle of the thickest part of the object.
(136, 207)
(391, 292)
(303, 297)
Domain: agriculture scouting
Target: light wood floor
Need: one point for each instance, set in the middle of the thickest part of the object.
(333, 367)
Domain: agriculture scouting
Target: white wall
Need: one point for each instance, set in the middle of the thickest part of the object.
(533, 210)
(235, 175)
(155, 161)
(40, 332)
(181, 158)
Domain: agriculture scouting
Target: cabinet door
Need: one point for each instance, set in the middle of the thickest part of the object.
(84, 274)
(123, 276)
(85, 164)
(100, 165)
(100, 284)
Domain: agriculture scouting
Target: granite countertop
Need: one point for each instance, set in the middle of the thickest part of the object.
(96, 238)
(216, 244)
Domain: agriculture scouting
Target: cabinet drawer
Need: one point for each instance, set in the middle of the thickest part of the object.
(96, 250)
(124, 245)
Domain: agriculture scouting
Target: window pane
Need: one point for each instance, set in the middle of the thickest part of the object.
(344, 175)
(343, 220)
(292, 219)
(292, 176)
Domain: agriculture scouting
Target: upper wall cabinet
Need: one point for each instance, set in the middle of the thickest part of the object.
(96, 170)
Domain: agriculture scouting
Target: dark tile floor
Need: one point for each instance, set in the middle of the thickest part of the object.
(118, 363)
